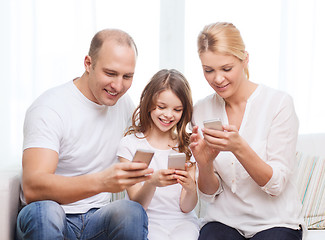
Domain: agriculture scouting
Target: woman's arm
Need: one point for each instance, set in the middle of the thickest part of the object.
(204, 155)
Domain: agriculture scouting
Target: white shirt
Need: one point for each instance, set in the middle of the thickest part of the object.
(83, 133)
(165, 204)
(270, 127)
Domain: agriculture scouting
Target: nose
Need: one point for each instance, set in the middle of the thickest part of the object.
(219, 78)
(168, 113)
(117, 84)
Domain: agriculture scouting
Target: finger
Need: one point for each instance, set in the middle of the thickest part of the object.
(230, 128)
(212, 132)
(167, 171)
(181, 173)
(137, 173)
(135, 180)
(193, 145)
(128, 166)
(195, 129)
(170, 182)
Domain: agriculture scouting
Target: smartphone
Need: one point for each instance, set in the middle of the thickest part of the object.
(142, 155)
(215, 124)
(177, 161)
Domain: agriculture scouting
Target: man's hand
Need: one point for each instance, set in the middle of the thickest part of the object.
(123, 175)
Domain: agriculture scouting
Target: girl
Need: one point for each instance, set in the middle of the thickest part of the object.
(159, 124)
(245, 170)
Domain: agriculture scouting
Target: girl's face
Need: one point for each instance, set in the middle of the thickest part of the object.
(168, 111)
(224, 73)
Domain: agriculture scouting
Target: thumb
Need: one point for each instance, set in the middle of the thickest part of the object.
(230, 128)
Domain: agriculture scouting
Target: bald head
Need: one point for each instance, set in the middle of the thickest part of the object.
(118, 36)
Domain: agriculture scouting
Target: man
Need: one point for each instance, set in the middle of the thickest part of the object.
(71, 134)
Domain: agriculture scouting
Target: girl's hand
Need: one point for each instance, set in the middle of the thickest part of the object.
(204, 153)
(163, 178)
(184, 178)
(227, 140)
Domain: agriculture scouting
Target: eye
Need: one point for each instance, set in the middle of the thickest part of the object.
(227, 69)
(160, 107)
(208, 70)
(110, 74)
(178, 109)
(127, 77)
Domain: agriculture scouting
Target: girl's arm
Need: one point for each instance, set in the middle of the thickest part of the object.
(141, 193)
(188, 198)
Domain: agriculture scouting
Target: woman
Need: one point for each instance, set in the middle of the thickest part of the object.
(245, 170)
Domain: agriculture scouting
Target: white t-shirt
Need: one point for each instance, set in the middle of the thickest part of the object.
(165, 202)
(84, 134)
(270, 127)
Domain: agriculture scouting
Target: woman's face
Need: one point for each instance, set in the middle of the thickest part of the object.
(224, 73)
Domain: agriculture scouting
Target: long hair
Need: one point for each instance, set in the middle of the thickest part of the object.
(222, 38)
(165, 80)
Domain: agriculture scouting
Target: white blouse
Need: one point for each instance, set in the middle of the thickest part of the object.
(270, 127)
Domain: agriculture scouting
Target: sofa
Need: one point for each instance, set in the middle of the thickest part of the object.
(310, 179)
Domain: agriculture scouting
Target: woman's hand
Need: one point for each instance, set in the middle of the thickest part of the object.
(203, 152)
(227, 140)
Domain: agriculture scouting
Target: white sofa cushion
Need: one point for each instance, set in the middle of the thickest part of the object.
(311, 185)
(9, 202)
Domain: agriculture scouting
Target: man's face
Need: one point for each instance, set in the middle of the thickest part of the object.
(112, 74)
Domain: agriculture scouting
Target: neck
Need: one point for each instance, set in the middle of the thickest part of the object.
(242, 95)
(159, 139)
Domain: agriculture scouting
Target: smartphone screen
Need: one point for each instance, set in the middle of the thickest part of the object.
(143, 156)
(215, 124)
(177, 161)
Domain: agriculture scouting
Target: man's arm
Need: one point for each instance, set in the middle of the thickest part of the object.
(40, 182)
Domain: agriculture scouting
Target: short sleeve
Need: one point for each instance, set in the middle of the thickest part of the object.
(42, 128)
(124, 149)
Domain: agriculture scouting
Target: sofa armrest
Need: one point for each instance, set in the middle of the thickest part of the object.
(9, 202)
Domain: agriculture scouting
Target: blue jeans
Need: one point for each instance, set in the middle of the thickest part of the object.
(220, 231)
(44, 220)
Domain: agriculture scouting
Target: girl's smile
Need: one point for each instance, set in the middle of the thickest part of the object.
(168, 111)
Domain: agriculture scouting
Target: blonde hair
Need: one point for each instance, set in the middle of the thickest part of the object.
(165, 80)
(222, 38)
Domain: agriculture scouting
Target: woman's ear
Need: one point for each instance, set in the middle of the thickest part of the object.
(246, 58)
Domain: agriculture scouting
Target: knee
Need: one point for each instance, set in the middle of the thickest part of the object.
(130, 211)
(41, 213)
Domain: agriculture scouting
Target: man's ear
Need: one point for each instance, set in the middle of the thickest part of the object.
(87, 63)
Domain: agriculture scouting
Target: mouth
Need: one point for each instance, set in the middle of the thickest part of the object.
(111, 93)
(223, 87)
(166, 122)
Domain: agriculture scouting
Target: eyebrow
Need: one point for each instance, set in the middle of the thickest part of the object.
(225, 65)
(114, 71)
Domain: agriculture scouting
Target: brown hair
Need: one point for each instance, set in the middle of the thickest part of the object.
(165, 80)
(116, 35)
(222, 38)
